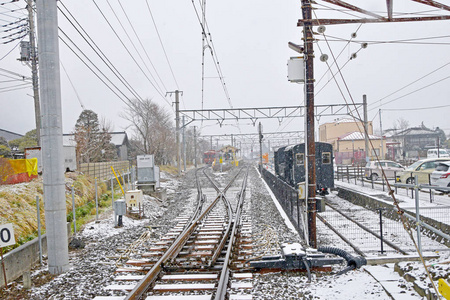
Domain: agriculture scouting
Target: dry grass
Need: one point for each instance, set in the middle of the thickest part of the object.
(18, 203)
(169, 169)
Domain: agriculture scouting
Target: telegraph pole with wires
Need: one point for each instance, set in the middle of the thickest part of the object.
(309, 100)
(34, 71)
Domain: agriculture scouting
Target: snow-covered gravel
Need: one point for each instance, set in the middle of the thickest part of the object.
(93, 267)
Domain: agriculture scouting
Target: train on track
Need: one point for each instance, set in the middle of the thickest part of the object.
(290, 165)
(210, 156)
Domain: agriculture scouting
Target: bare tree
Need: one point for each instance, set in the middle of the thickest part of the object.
(153, 128)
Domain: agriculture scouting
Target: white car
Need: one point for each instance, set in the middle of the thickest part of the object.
(441, 175)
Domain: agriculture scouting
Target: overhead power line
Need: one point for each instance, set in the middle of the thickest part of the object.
(129, 53)
(99, 52)
(135, 48)
(213, 53)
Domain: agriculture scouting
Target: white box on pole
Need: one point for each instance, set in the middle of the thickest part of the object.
(296, 69)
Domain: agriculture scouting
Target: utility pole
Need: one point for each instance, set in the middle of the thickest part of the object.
(366, 129)
(195, 146)
(310, 142)
(184, 145)
(51, 138)
(260, 146)
(177, 126)
(34, 72)
(381, 130)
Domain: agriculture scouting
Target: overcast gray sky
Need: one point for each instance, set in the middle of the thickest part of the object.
(250, 39)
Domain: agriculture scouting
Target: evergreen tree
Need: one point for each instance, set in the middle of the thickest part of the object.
(93, 143)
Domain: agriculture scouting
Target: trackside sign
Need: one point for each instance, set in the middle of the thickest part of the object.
(7, 235)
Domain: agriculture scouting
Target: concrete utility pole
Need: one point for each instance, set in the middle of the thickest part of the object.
(366, 129)
(34, 71)
(310, 142)
(51, 138)
(195, 146)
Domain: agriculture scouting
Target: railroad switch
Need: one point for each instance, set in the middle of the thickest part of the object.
(295, 257)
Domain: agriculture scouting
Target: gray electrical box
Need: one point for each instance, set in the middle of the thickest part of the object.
(296, 69)
(120, 207)
(145, 169)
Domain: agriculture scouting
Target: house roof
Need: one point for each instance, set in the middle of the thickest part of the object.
(9, 136)
(416, 131)
(119, 138)
(356, 135)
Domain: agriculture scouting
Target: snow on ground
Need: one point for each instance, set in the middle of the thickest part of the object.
(92, 267)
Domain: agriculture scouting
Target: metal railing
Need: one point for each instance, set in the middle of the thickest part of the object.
(289, 200)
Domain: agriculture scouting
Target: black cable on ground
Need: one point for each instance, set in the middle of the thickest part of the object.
(353, 262)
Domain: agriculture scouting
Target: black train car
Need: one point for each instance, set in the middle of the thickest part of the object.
(292, 158)
(279, 161)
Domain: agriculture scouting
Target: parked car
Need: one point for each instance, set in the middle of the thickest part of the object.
(433, 153)
(441, 175)
(373, 169)
(422, 168)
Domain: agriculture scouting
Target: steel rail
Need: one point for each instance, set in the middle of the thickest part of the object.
(224, 275)
(390, 244)
(143, 285)
(224, 239)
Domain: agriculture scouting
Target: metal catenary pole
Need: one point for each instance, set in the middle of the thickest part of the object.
(177, 121)
(381, 135)
(51, 137)
(39, 229)
(184, 145)
(260, 146)
(310, 128)
(366, 129)
(74, 213)
(195, 146)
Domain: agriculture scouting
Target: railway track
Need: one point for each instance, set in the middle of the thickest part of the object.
(202, 257)
(359, 228)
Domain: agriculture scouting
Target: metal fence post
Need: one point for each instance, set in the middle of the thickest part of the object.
(96, 200)
(416, 188)
(431, 193)
(39, 229)
(380, 210)
(73, 212)
(348, 176)
(395, 180)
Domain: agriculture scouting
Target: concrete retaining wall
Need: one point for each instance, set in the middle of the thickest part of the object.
(23, 259)
(391, 212)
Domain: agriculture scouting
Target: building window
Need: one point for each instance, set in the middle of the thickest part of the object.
(326, 158)
(376, 152)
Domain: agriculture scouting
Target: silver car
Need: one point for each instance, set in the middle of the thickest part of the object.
(441, 175)
(373, 169)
